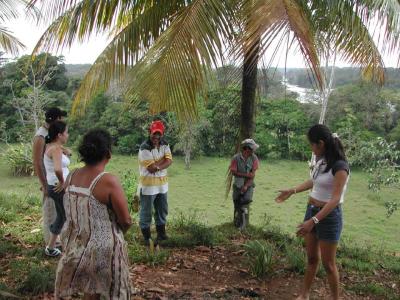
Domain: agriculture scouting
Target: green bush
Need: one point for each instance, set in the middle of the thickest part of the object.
(129, 144)
(260, 257)
(19, 159)
(130, 184)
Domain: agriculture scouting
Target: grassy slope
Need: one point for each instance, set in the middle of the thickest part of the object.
(202, 189)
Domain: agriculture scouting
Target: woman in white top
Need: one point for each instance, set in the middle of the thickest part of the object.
(56, 164)
(323, 222)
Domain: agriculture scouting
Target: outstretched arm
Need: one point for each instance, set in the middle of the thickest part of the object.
(285, 194)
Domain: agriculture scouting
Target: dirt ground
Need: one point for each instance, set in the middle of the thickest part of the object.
(217, 273)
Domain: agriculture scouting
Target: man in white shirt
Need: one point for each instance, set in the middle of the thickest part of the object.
(154, 159)
(49, 212)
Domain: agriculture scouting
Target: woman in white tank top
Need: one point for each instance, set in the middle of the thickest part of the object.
(56, 164)
(323, 222)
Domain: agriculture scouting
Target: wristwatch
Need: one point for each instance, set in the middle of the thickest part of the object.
(315, 220)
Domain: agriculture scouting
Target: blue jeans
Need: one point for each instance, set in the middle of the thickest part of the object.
(329, 228)
(159, 201)
(58, 223)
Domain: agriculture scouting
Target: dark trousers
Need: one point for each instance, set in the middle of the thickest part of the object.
(58, 223)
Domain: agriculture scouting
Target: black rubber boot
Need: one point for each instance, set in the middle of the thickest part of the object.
(161, 234)
(245, 217)
(146, 235)
(237, 217)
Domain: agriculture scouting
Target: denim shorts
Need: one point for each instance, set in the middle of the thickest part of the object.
(330, 227)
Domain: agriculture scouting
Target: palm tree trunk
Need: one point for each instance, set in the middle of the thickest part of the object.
(249, 86)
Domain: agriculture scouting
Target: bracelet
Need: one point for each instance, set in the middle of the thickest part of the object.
(294, 191)
(315, 220)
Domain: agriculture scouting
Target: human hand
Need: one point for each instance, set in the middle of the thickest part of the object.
(152, 168)
(244, 189)
(67, 151)
(284, 194)
(251, 175)
(59, 187)
(305, 227)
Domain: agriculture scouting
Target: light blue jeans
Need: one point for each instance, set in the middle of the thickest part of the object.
(159, 201)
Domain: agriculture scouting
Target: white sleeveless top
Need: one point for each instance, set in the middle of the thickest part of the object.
(323, 181)
(49, 166)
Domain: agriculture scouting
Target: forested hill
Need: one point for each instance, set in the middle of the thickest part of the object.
(296, 76)
(342, 76)
(77, 70)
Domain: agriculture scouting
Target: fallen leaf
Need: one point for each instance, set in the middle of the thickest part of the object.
(166, 285)
(203, 249)
(156, 290)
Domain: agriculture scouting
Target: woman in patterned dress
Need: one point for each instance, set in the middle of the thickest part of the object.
(95, 260)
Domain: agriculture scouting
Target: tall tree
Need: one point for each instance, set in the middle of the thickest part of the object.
(162, 50)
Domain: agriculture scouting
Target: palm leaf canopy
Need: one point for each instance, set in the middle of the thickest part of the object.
(8, 11)
(162, 50)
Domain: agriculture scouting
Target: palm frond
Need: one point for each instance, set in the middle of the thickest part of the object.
(126, 48)
(77, 20)
(173, 72)
(8, 9)
(349, 36)
(272, 20)
(52, 9)
(385, 15)
(76, 24)
(8, 42)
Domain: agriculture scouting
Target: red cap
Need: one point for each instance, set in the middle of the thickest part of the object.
(157, 126)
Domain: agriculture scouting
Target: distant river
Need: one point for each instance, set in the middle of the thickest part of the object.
(304, 94)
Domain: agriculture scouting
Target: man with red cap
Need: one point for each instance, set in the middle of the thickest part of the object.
(154, 159)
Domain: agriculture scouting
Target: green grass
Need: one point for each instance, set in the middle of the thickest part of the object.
(201, 189)
(374, 289)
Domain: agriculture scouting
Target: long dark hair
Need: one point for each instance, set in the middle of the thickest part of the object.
(56, 128)
(333, 146)
(95, 146)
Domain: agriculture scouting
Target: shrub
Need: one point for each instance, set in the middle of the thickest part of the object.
(19, 159)
(130, 184)
(259, 257)
(129, 144)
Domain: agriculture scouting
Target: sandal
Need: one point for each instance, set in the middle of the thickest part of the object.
(52, 252)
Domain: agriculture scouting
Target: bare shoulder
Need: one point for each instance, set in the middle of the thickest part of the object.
(53, 149)
(110, 180)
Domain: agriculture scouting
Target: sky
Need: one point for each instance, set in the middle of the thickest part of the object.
(28, 32)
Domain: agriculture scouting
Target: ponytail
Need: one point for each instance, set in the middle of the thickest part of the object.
(56, 128)
(334, 150)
